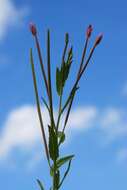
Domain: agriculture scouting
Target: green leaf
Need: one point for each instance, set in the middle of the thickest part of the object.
(63, 160)
(46, 105)
(70, 56)
(65, 69)
(51, 171)
(58, 81)
(65, 174)
(63, 73)
(53, 144)
(61, 136)
(40, 184)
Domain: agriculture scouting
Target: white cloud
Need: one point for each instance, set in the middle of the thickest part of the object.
(113, 122)
(10, 15)
(83, 117)
(21, 130)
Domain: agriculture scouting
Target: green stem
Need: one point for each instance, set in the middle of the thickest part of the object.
(65, 175)
(38, 107)
(54, 176)
(83, 56)
(59, 114)
(49, 79)
(41, 64)
(75, 85)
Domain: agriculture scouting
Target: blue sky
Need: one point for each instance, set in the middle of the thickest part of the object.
(97, 130)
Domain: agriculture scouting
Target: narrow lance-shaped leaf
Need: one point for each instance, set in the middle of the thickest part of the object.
(46, 105)
(63, 160)
(40, 184)
(58, 81)
(53, 144)
(38, 105)
(63, 73)
(61, 136)
(65, 69)
(65, 174)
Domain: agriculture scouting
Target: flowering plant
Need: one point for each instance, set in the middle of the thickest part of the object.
(56, 135)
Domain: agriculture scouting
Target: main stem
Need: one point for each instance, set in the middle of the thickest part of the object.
(54, 175)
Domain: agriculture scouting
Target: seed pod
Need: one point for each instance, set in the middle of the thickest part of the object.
(33, 29)
(89, 31)
(98, 39)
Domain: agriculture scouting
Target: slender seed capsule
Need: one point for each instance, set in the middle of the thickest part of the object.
(89, 31)
(98, 39)
(33, 29)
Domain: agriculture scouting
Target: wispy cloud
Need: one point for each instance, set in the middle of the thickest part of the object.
(22, 131)
(83, 118)
(10, 16)
(113, 122)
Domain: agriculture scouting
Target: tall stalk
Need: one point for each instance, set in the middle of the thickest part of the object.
(56, 132)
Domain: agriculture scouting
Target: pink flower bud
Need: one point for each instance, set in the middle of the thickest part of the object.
(33, 29)
(89, 31)
(98, 39)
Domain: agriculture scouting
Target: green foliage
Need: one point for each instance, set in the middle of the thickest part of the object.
(63, 73)
(58, 81)
(57, 132)
(65, 174)
(53, 144)
(46, 105)
(40, 184)
(61, 137)
(60, 162)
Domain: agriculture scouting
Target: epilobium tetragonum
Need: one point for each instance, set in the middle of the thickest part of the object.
(57, 135)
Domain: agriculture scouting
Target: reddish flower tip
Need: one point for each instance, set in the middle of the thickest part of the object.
(33, 29)
(89, 31)
(98, 39)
